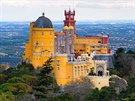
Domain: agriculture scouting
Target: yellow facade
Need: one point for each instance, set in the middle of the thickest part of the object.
(67, 68)
(86, 45)
(40, 45)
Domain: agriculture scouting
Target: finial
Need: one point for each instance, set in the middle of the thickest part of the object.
(43, 14)
(69, 9)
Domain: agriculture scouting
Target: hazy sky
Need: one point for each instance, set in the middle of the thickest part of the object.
(30, 10)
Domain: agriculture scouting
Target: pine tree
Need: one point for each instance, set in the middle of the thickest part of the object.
(45, 83)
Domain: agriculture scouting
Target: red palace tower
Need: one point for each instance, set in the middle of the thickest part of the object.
(70, 19)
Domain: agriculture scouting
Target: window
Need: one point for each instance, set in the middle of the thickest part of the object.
(72, 16)
(42, 43)
(36, 43)
(58, 62)
(34, 33)
(50, 33)
(58, 68)
(99, 41)
(50, 42)
(78, 70)
(42, 33)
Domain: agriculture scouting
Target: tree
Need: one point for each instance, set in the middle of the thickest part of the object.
(105, 94)
(64, 97)
(7, 96)
(16, 85)
(94, 95)
(21, 69)
(124, 63)
(130, 52)
(45, 83)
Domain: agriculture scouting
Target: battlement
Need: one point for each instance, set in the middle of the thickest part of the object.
(100, 61)
(69, 12)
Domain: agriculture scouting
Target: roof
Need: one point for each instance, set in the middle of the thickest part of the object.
(43, 22)
(59, 33)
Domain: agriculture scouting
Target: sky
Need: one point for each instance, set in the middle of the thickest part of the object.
(86, 10)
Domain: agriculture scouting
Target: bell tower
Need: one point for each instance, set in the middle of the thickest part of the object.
(70, 19)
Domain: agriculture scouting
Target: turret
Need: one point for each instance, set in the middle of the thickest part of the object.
(69, 19)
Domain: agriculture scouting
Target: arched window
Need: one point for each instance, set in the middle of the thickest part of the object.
(100, 70)
(34, 33)
(42, 33)
(78, 70)
(42, 43)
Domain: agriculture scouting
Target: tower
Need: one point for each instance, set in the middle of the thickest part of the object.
(70, 19)
(41, 43)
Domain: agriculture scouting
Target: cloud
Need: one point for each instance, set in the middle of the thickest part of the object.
(72, 3)
(106, 4)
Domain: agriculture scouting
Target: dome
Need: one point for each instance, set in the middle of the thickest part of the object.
(43, 22)
(71, 27)
(66, 27)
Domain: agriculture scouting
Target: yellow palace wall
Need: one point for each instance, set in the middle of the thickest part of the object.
(40, 45)
(89, 44)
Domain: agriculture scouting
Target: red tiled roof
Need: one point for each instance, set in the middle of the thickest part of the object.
(59, 33)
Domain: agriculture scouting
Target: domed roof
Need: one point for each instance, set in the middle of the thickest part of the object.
(71, 27)
(66, 27)
(43, 22)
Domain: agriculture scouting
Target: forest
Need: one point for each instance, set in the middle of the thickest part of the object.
(24, 83)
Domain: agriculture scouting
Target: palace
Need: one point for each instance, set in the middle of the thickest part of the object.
(73, 55)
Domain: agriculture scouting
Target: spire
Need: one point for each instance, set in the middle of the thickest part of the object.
(43, 14)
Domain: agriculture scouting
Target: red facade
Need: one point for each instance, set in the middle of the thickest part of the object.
(69, 18)
(105, 40)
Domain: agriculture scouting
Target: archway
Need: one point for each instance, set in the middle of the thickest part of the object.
(100, 70)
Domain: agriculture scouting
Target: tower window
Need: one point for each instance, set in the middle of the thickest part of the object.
(36, 43)
(50, 33)
(58, 62)
(71, 16)
(34, 33)
(58, 68)
(42, 33)
(50, 42)
(42, 43)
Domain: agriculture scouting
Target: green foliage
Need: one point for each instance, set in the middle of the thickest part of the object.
(64, 97)
(92, 72)
(93, 96)
(16, 80)
(2, 78)
(7, 96)
(47, 67)
(124, 63)
(15, 88)
(130, 52)
(21, 69)
(125, 67)
(29, 79)
(105, 94)
(45, 83)
(22, 82)
(113, 71)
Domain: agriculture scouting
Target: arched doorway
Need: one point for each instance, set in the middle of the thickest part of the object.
(100, 70)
